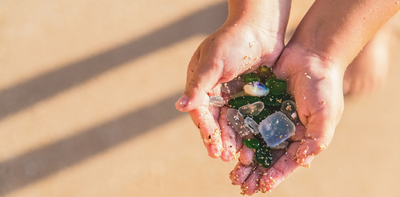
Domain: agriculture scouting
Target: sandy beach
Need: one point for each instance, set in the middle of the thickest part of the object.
(87, 93)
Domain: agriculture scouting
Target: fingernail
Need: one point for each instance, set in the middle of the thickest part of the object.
(182, 102)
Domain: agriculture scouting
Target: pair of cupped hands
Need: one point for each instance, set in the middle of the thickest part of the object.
(314, 82)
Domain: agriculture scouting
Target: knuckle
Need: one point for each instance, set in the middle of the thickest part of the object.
(192, 85)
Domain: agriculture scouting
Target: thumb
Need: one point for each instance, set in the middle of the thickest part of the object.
(199, 84)
(319, 134)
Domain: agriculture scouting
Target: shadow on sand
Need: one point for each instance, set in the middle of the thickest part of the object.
(40, 163)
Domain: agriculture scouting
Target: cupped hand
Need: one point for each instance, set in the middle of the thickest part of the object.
(232, 50)
(316, 84)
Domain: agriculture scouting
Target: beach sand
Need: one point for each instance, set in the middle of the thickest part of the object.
(87, 92)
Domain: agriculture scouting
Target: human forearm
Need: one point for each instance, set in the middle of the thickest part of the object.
(269, 15)
(338, 30)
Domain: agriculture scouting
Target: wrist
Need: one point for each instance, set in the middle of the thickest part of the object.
(319, 59)
(338, 48)
(269, 16)
(338, 30)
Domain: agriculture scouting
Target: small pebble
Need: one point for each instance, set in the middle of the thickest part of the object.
(252, 109)
(239, 94)
(251, 143)
(276, 128)
(251, 125)
(233, 87)
(237, 122)
(217, 101)
(256, 89)
(289, 108)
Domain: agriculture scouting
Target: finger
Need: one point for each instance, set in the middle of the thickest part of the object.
(284, 167)
(205, 118)
(192, 65)
(240, 173)
(317, 137)
(267, 182)
(203, 79)
(238, 139)
(250, 186)
(239, 143)
(246, 155)
(276, 154)
(228, 137)
(320, 127)
(189, 73)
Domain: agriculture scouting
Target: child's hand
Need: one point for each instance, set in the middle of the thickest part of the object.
(227, 53)
(316, 84)
(252, 34)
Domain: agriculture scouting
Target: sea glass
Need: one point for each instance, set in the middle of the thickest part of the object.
(289, 108)
(237, 122)
(252, 109)
(239, 94)
(256, 89)
(275, 100)
(251, 143)
(264, 156)
(276, 128)
(251, 125)
(276, 86)
(233, 87)
(240, 101)
(263, 115)
(265, 72)
(250, 78)
(217, 101)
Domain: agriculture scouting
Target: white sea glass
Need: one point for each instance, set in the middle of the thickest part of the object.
(276, 128)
